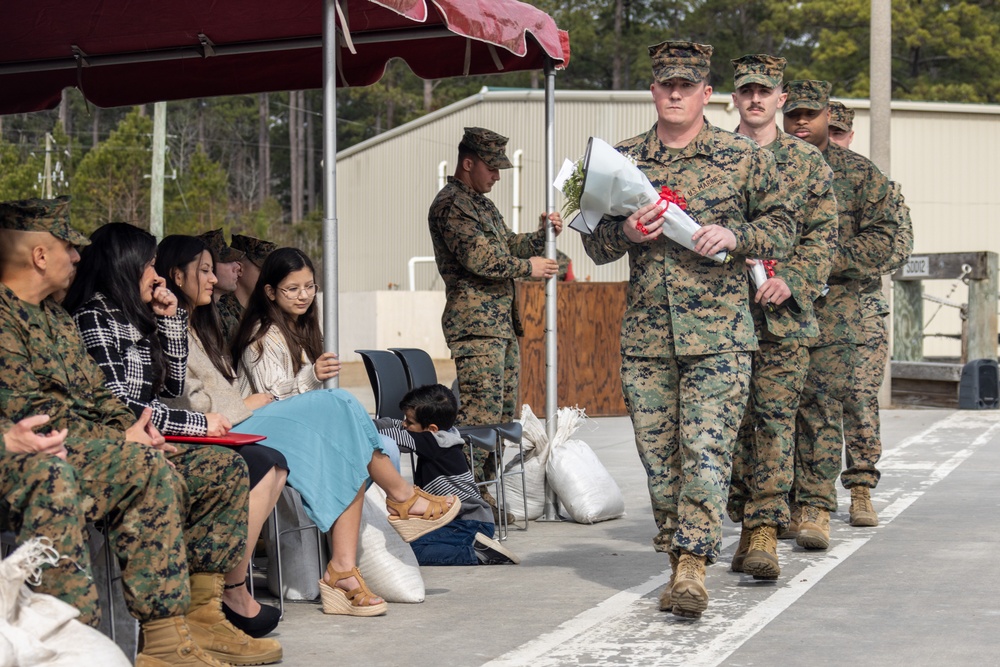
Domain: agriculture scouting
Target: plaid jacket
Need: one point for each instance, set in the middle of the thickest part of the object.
(126, 359)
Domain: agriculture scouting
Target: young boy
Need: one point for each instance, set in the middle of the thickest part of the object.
(427, 429)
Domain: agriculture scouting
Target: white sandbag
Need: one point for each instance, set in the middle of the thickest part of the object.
(386, 562)
(582, 483)
(535, 443)
(38, 629)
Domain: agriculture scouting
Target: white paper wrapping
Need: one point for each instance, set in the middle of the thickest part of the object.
(613, 185)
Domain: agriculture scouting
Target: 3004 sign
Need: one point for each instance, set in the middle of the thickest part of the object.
(917, 266)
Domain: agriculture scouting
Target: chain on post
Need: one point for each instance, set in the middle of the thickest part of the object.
(963, 308)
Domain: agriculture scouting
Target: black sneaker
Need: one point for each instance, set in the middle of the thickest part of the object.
(491, 552)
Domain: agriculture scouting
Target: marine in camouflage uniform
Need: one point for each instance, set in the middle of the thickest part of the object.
(763, 458)
(165, 522)
(230, 309)
(687, 333)
(862, 437)
(479, 258)
(231, 306)
(865, 233)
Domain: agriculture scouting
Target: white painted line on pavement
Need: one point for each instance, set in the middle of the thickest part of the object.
(734, 632)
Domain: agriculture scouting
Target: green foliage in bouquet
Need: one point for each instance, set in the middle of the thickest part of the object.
(572, 190)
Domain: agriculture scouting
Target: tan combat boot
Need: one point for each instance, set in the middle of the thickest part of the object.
(762, 556)
(741, 550)
(666, 595)
(791, 531)
(814, 528)
(862, 512)
(167, 642)
(690, 597)
(216, 635)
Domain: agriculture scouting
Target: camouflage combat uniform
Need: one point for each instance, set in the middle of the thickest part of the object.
(763, 459)
(41, 497)
(687, 334)
(230, 312)
(164, 522)
(865, 233)
(863, 442)
(478, 258)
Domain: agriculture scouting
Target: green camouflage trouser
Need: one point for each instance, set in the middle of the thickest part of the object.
(162, 522)
(819, 437)
(685, 413)
(43, 499)
(488, 370)
(216, 497)
(763, 458)
(862, 435)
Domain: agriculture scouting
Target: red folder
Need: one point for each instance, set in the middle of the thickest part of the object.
(230, 439)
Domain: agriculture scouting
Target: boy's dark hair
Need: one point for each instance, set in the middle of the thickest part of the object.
(432, 404)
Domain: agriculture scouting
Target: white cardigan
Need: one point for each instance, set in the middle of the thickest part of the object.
(266, 368)
(206, 389)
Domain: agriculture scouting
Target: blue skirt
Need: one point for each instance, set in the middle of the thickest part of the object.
(328, 440)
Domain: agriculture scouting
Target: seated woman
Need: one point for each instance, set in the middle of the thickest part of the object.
(326, 435)
(133, 328)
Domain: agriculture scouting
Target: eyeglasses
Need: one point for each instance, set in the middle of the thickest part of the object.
(296, 292)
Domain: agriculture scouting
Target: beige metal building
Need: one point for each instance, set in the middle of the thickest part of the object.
(944, 155)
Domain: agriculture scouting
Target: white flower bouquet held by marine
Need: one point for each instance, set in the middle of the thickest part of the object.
(605, 182)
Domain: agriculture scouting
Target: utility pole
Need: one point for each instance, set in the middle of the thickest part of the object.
(880, 96)
(48, 166)
(159, 157)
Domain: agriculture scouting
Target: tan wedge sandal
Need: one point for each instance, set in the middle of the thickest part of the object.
(348, 603)
(437, 514)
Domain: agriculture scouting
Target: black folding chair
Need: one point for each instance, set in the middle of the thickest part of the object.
(418, 365)
(387, 376)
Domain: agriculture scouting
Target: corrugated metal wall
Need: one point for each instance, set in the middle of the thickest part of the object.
(944, 155)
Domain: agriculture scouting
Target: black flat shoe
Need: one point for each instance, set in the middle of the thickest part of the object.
(257, 626)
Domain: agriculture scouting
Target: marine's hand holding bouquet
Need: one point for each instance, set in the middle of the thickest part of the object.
(605, 182)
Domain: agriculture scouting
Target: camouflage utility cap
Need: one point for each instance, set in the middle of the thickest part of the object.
(683, 60)
(488, 145)
(216, 242)
(806, 95)
(758, 68)
(41, 215)
(841, 117)
(256, 250)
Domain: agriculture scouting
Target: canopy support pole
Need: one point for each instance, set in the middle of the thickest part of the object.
(331, 294)
(551, 355)
(551, 509)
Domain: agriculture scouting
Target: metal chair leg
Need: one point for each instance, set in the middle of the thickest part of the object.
(109, 573)
(277, 559)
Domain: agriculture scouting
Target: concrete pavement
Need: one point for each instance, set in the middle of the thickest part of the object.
(920, 589)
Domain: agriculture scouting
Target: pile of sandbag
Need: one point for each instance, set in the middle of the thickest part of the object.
(38, 629)
(585, 488)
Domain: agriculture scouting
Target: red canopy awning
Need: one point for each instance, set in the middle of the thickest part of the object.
(120, 52)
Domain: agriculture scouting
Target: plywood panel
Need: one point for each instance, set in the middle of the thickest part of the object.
(589, 346)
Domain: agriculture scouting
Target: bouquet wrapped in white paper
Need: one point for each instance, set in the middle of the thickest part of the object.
(605, 182)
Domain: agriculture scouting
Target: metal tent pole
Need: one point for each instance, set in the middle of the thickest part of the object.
(331, 295)
(551, 511)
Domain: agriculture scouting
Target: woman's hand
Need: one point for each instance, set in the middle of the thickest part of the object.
(255, 401)
(327, 366)
(164, 303)
(218, 425)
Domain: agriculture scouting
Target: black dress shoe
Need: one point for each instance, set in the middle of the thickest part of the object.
(257, 626)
